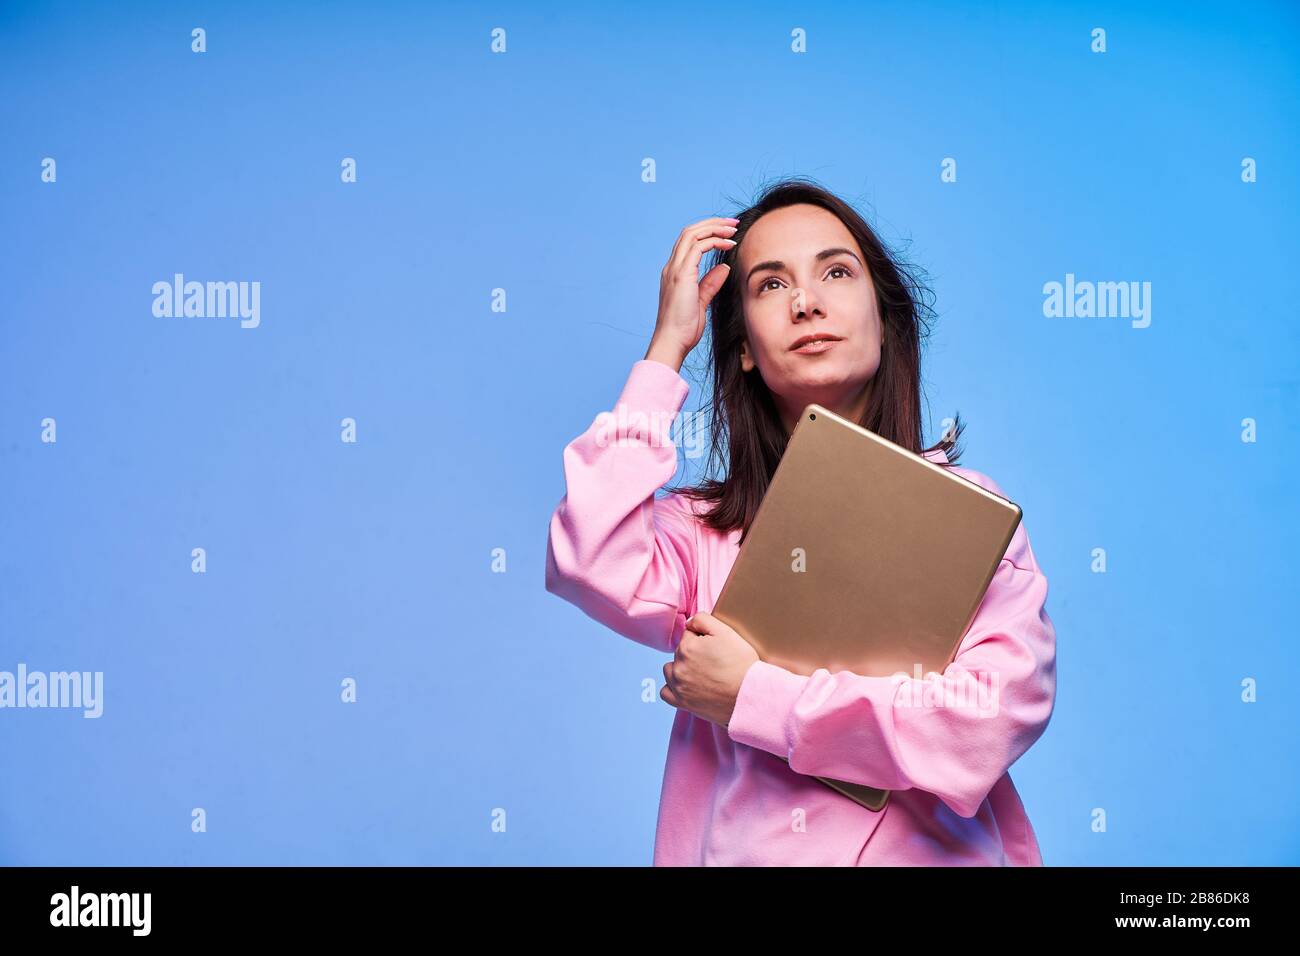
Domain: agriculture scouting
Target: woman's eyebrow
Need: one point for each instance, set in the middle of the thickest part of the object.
(777, 264)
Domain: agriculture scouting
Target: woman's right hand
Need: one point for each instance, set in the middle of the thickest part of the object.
(684, 297)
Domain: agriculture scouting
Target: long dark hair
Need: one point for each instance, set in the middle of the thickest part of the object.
(746, 431)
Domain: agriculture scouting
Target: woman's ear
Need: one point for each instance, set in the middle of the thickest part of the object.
(746, 360)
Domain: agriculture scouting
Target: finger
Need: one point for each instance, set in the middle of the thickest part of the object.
(703, 623)
(703, 227)
(690, 233)
(691, 264)
(691, 247)
(668, 697)
(712, 282)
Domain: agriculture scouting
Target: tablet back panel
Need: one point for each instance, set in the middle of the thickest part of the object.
(864, 557)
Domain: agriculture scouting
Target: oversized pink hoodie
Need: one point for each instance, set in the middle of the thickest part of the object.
(642, 565)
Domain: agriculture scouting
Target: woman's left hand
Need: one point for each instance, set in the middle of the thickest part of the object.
(705, 674)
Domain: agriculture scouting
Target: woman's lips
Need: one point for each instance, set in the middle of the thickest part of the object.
(816, 346)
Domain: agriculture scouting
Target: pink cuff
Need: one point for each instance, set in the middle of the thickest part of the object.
(653, 386)
(767, 696)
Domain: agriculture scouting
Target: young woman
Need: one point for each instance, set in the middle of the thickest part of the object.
(809, 307)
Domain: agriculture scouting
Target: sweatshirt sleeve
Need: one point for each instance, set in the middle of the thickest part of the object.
(952, 734)
(624, 557)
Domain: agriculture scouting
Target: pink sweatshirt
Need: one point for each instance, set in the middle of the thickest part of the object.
(642, 565)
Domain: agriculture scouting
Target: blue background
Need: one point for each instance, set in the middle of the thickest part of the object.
(522, 171)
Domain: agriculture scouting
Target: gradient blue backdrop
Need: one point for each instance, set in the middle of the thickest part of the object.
(522, 171)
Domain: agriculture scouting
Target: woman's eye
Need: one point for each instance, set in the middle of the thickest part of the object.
(763, 287)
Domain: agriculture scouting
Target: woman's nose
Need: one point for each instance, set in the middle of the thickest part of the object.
(800, 302)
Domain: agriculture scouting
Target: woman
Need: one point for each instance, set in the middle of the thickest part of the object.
(799, 263)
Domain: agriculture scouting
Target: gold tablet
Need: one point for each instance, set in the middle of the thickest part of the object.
(863, 557)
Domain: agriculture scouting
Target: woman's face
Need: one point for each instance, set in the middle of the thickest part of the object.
(802, 273)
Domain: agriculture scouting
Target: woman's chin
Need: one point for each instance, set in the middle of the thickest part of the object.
(828, 383)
